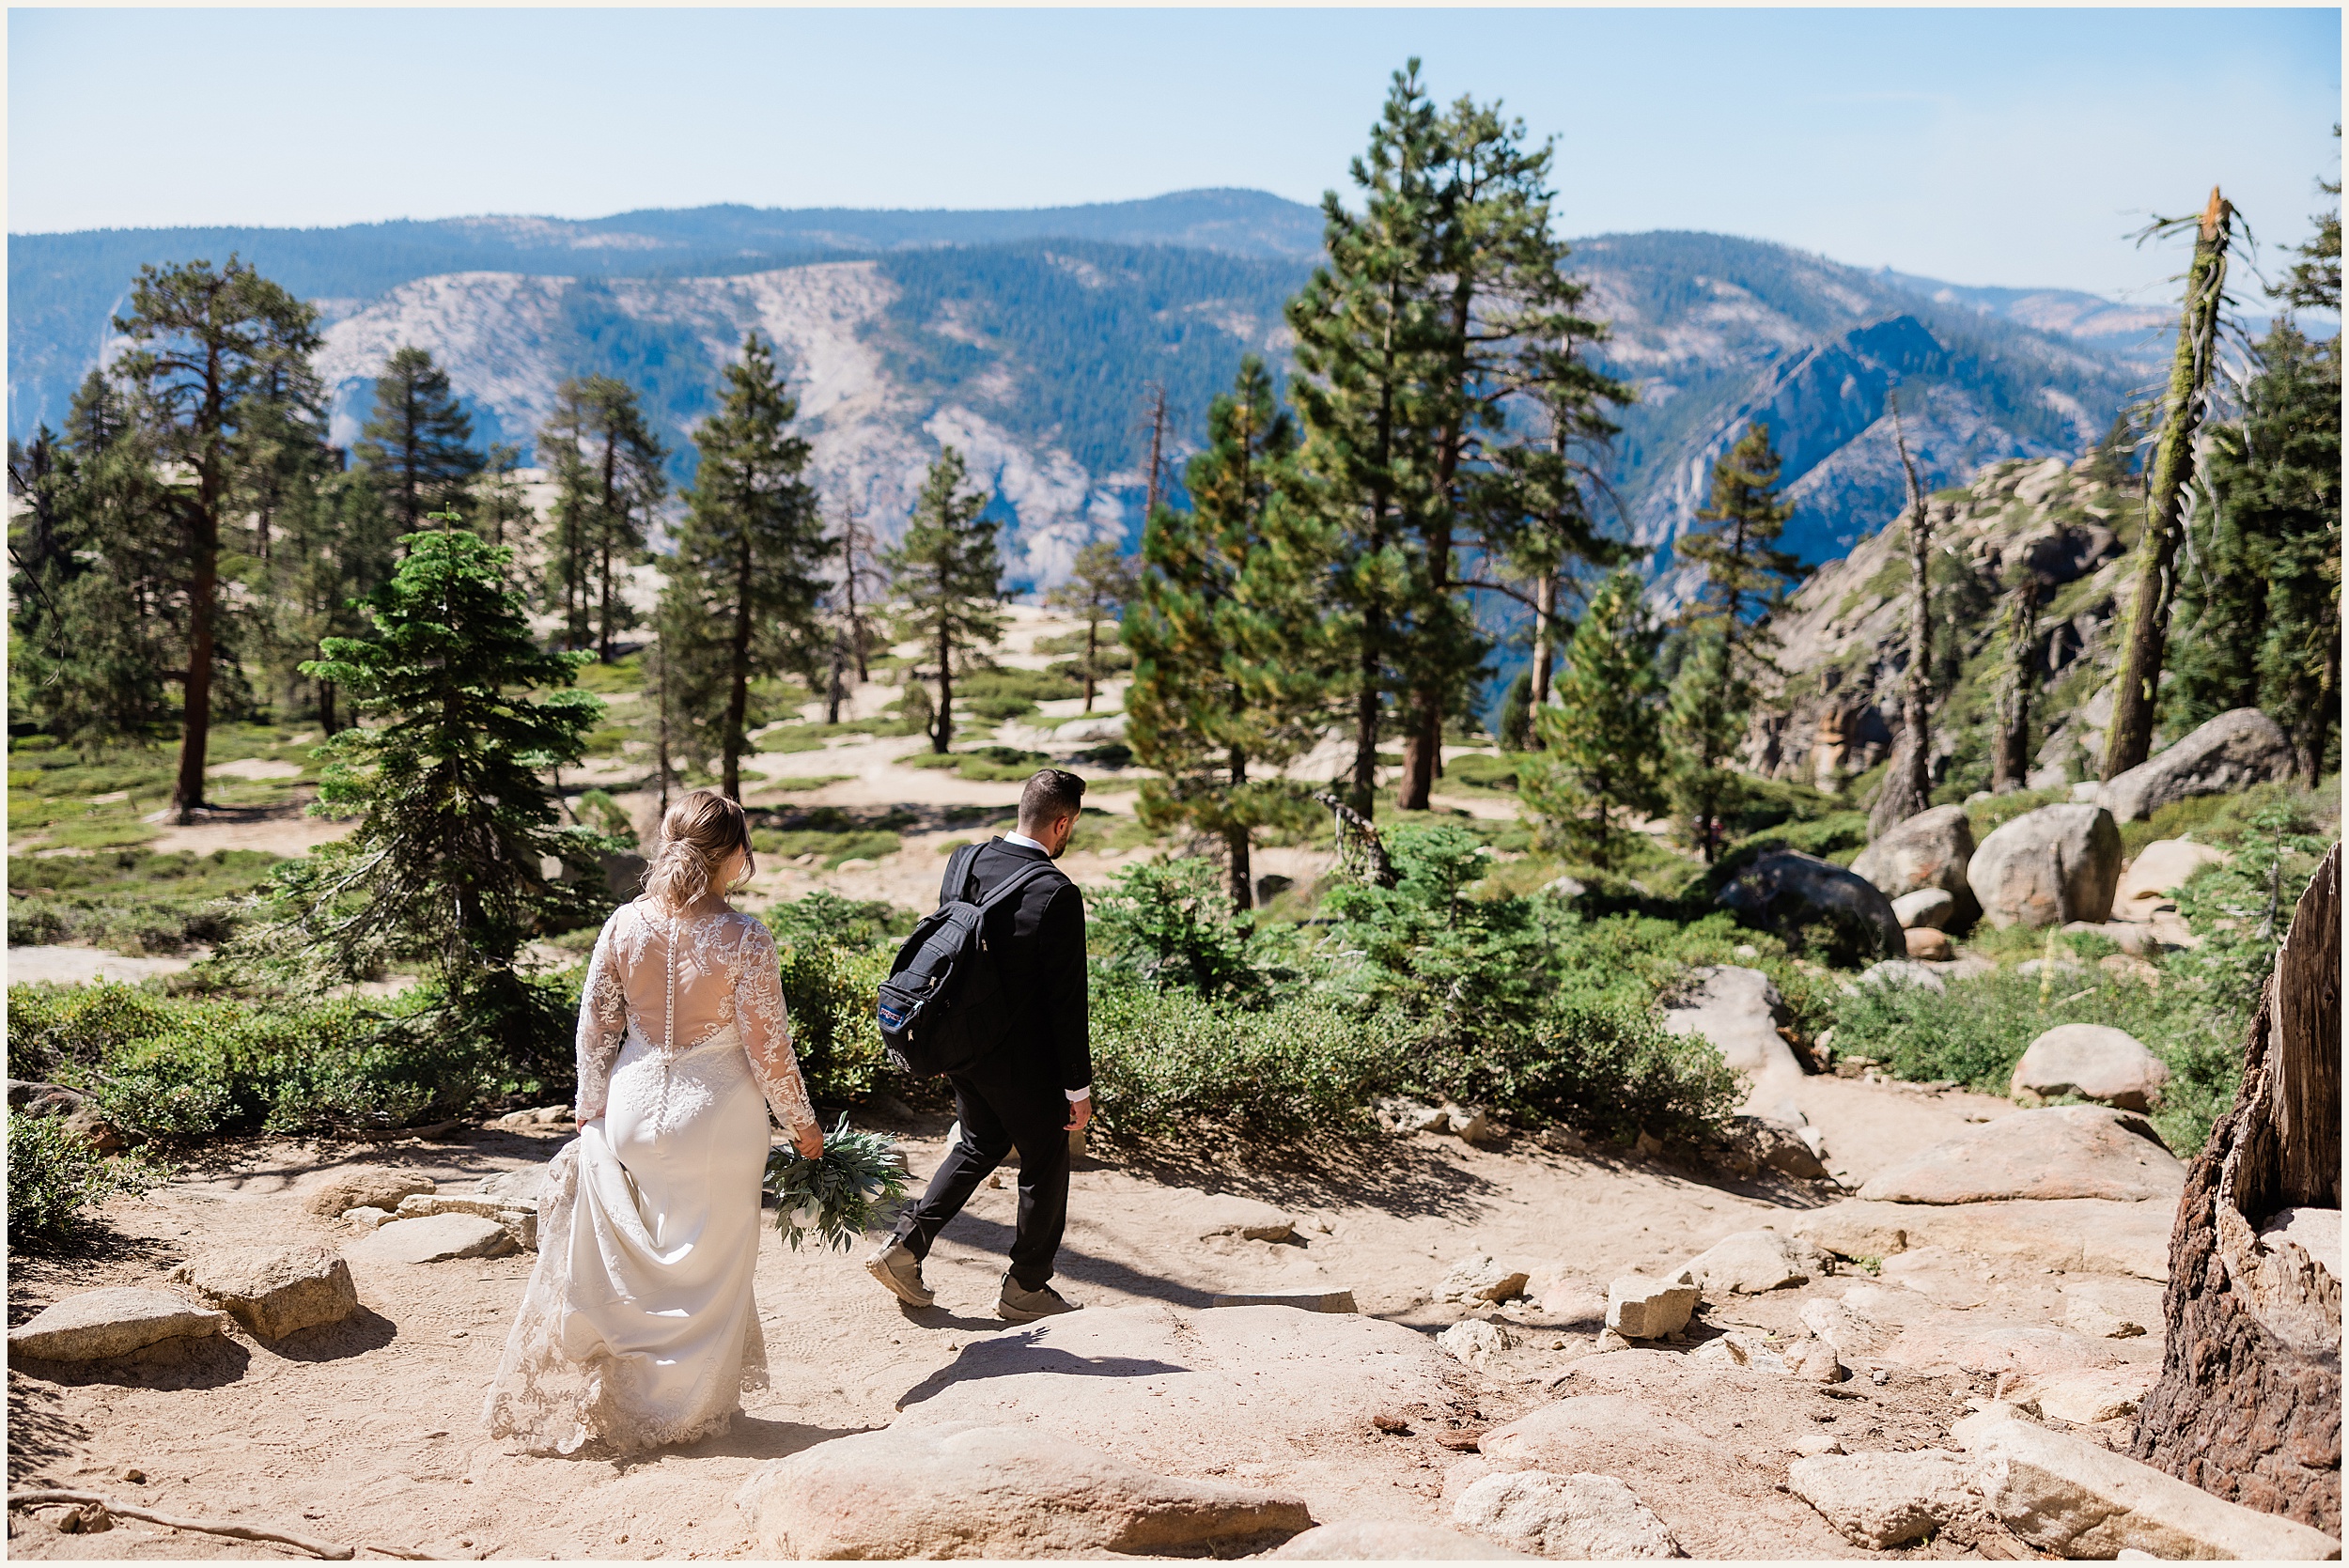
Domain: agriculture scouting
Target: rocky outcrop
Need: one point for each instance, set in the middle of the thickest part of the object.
(274, 1291)
(101, 1325)
(2235, 750)
(1786, 889)
(2070, 1151)
(2159, 870)
(1931, 849)
(2049, 867)
(2092, 1060)
(2078, 1235)
(993, 1492)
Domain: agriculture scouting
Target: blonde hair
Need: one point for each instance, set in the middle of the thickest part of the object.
(700, 831)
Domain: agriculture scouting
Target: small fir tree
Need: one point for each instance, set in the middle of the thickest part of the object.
(1099, 589)
(1600, 739)
(947, 574)
(419, 441)
(752, 545)
(1232, 666)
(448, 866)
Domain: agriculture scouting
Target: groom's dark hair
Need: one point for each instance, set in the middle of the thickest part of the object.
(1049, 796)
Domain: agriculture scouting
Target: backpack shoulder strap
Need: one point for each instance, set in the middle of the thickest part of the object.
(1017, 880)
(957, 882)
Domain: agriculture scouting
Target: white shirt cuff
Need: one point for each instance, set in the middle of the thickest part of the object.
(1075, 1094)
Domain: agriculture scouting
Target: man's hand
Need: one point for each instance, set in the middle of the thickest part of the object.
(810, 1140)
(1080, 1112)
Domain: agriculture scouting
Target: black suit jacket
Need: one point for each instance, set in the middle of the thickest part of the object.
(1038, 943)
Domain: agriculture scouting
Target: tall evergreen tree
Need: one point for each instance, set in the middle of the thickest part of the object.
(1746, 576)
(1231, 663)
(215, 353)
(605, 464)
(1370, 347)
(1100, 586)
(752, 546)
(947, 574)
(419, 441)
(1600, 748)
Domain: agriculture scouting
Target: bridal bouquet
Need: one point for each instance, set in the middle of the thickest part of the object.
(839, 1195)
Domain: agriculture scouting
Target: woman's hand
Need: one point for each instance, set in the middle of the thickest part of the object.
(810, 1140)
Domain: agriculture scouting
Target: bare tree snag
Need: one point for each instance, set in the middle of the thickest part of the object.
(1907, 786)
(2248, 1404)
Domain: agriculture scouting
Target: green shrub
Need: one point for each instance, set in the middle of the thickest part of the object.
(1605, 1068)
(1001, 708)
(829, 848)
(831, 993)
(1169, 924)
(1022, 685)
(1163, 1060)
(1476, 770)
(133, 901)
(55, 1177)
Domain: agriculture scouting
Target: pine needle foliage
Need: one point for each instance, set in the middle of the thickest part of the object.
(947, 574)
(1600, 741)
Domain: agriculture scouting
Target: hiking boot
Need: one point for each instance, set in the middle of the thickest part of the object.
(896, 1267)
(1018, 1304)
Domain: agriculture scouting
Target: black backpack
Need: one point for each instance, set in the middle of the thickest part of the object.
(943, 1006)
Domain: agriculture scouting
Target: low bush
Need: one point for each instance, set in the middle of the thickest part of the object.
(1163, 1060)
(1025, 686)
(130, 900)
(54, 1179)
(983, 764)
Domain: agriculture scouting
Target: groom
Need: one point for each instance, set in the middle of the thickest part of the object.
(1033, 1089)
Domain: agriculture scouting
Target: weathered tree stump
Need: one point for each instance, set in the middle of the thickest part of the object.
(2248, 1404)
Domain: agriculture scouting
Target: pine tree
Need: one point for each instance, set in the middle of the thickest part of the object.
(1746, 576)
(500, 501)
(1600, 739)
(341, 543)
(1231, 664)
(447, 864)
(215, 352)
(419, 443)
(1100, 586)
(1369, 342)
(947, 574)
(752, 545)
(605, 463)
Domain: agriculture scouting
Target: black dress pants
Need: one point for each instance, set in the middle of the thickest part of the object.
(997, 1119)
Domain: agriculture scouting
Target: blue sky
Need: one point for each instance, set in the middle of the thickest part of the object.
(1984, 147)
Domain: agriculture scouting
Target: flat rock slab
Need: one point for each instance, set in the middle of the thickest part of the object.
(274, 1291)
(1480, 1278)
(2079, 1235)
(357, 1187)
(2235, 750)
(435, 1238)
(1391, 1540)
(99, 1324)
(1303, 1301)
(963, 1490)
(1882, 1500)
(1581, 1516)
(2082, 1398)
(1244, 1218)
(2079, 1500)
(2069, 1151)
(1751, 1262)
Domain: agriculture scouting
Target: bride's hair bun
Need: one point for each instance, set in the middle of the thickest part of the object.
(701, 830)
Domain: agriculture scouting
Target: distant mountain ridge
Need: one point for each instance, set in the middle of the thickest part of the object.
(1027, 339)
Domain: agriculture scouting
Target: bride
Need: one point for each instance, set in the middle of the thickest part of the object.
(638, 1328)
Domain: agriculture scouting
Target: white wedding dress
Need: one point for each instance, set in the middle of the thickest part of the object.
(638, 1328)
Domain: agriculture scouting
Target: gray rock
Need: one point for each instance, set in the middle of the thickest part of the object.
(1751, 1262)
(1787, 888)
(274, 1291)
(1476, 1342)
(2069, 1151)
(1882, 1500)
(1927, 908)
(1929, 946)
(1928, 850)
(1739, 1010)
(521, 1189)
(1390, 1541)
(521, 1220)
(2159, 870)
(2092, 1060)
(1478, 1277)
(1780, 1146)
(1226, 1215)
(99, 1324)
(1641, 1308)
(435, 1238)
(991, 1491)
(1585, 1517)
(1304, 1301)
(623, 873)
(366, 1218)
(2049, 867)
(1271, 886)
(2235, 750)
(365, 1187)
(2079, 1500)
(1901, 971)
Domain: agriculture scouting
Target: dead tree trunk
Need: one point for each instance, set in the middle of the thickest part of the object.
(1907, 786)
(2248, 1404)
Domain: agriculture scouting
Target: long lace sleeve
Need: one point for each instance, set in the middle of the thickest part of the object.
(766, 1028)
(602, 1025)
